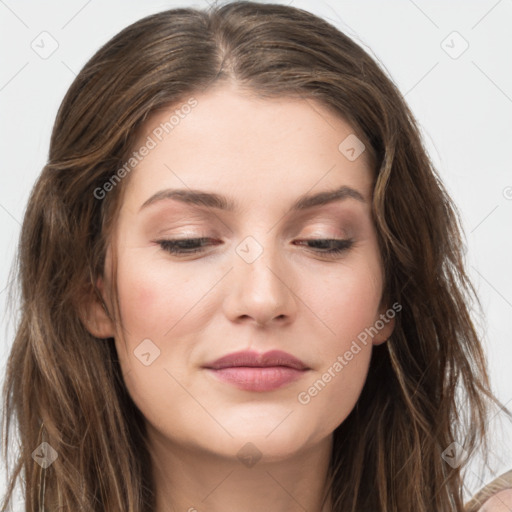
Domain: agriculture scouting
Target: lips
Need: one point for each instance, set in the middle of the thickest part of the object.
(255, 360)
(251, 371)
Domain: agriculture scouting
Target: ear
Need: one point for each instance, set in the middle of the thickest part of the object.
(385, 323)
(94, 314)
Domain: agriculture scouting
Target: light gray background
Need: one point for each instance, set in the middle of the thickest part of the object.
(463, 104)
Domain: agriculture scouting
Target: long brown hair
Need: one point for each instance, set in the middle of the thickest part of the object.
(427, 386)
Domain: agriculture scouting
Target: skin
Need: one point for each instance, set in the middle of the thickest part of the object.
(500, 502)
(263, 154)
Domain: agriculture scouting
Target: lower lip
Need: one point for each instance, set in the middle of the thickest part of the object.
(258, 378)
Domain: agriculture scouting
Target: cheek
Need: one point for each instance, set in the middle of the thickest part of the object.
(155, 304)
(163, 305)
(347, 300)
(153, 297)
(331, 397)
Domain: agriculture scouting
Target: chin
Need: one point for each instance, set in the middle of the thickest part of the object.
(274, 442)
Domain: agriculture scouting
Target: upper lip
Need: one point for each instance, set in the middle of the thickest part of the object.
(254, 359)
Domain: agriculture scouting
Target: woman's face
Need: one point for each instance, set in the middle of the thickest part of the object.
(259, 282)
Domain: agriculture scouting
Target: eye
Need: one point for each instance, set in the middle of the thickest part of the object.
(329, 246)
(183, 246)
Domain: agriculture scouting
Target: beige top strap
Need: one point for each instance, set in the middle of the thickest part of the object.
(501, 483)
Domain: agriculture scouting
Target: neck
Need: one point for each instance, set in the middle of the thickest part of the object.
(188, 479)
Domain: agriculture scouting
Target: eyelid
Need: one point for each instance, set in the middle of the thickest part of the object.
(341, 246)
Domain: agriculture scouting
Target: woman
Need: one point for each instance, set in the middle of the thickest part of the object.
(242, 284)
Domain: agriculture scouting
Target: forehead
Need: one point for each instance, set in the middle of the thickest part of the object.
(227, 140)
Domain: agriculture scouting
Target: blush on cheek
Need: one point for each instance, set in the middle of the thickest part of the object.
(137, 295)
(355, 304)
(138, 299)
(144, 297)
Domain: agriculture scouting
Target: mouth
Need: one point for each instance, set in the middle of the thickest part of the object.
(251, 371)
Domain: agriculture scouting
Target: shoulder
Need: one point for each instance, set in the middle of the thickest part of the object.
(499, 502)
(496, 496)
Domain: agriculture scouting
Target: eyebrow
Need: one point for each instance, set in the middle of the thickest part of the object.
(220, 202)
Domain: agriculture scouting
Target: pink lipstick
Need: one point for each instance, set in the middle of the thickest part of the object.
(251, 371)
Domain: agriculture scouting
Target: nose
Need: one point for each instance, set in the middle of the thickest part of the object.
(260, 291)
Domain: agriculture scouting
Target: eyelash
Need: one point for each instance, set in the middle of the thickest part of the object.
(173, 246)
